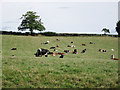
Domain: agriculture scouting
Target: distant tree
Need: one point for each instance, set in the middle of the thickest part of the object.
(118, 27)
(105, 30)
(31, 21)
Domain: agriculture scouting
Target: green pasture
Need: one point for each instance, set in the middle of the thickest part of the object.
(92, 69)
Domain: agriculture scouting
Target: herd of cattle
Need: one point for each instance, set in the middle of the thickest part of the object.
(45, 52)
(40, 52)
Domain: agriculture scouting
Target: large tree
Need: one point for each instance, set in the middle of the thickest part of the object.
(118, 27)
(31, 21)
(105, 30)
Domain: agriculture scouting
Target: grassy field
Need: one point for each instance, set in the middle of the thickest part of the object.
(92, 69)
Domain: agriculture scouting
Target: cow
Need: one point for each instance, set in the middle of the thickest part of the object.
(57, 46)
(83, 44)
(14, 49)
(71, 46)
(104, 51)
(100, 50)
(60, 53)
(91, 43)
(61, 56)
(55, 50)
(54, 54)
(57, 39)
(112, 49)
(75, 51)
(46, 55)
(116, 59)
(68, 45)
(72, 42)
(41, 52)
(46, 42)
(50, 53)
(112, 56)
(52, 47)
(83, 51)
(66, 51)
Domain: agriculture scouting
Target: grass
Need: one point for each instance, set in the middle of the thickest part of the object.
(92, 69)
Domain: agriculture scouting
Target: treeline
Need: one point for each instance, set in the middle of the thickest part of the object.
(51, 34)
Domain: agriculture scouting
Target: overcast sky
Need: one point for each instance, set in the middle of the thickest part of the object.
(74, 17)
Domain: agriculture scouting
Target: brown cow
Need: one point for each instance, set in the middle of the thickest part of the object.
(83, 44)
(57, 39)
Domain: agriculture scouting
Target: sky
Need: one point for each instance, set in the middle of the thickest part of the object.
(61, 17)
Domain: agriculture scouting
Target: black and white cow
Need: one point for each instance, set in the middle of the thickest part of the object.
(14, 49)
(52, 47)
(83, 51)
(75, 51)
(41, 52)
(67, 51)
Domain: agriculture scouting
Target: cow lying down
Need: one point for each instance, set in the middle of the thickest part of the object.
(41, 52)
(59, 53)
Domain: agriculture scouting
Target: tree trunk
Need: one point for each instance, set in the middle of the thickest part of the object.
(31, 31)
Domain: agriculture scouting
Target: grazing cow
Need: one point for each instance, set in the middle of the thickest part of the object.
(52, 47)
(83, 44)
(14, 49)
(75, 51)
(61, 56)
(57, 39)
(83, 51)
(66, 51)
(41, 52)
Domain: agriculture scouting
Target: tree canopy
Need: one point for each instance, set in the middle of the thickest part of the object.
(31, 21)
(118, 27)
(105, 30)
